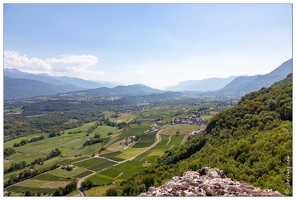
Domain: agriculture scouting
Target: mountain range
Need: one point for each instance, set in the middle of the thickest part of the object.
(118, 91)
(18, 85)
(245, 84)
(203, 85)
(58, 80)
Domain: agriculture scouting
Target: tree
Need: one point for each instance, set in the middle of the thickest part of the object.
(59, 192)
(111, 192)
(28, 193)
(178, 132)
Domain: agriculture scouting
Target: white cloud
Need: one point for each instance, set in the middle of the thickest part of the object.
(13, 59)
(65, 65)
(70, 63)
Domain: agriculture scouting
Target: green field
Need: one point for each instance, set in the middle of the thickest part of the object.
(70, 161)
(112, 156)
(84, 157)
(67, 174)
(147, 139)
(90, 162)
(83, 174)
(99, 179)
(102, 165)
(104, 130)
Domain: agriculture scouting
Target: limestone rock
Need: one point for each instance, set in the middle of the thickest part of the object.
(207, 182)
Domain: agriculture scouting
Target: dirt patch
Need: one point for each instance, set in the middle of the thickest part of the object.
(6, 161)
(125, 115)
(55, 184)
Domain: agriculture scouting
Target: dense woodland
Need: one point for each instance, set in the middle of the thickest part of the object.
(250, 142)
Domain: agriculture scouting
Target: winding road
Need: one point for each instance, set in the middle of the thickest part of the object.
(158, 139)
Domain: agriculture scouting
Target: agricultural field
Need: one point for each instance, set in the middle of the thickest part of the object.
(112, 160)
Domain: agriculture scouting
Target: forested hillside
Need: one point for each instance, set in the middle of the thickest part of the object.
(250, 142)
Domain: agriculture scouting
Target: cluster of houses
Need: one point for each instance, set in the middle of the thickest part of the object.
(155, 126)
(68, 167)
(131, 139)
(190, 120)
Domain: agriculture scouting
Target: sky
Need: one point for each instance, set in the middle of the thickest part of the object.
(158, 45)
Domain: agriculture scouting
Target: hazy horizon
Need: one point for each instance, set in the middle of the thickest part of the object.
(158, 45)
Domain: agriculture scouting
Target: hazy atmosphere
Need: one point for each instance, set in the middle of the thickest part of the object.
(157, 45)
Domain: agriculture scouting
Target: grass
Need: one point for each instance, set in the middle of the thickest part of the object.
(124, 117)
(82, 128)
(112, 156)
(175, 140)
(104, 130)
(10, 143)
(34, 183)
(70, 161)
(114, 172)
(84, 150)
(156, 153)
(29, 158)
(89, 163)
(20, 189)
(55, 184)
(128, 169)
(66, 174)
(83, 174)
(98, 191)
(75, 144)
(208, 117)
(49, 177)
(99, 179)
(162, 144)
(147, 139)
(184, 129)
(108, 114)
(117, 146)
(102, 165)
(130, 152)
(150, 159)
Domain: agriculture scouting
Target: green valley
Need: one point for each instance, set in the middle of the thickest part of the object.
(97, 148)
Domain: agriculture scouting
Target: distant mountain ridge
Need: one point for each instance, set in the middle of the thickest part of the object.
(18, 85)
(245, 84)
(208, 84)
(20, 88)
(57, 80)
(119, 91)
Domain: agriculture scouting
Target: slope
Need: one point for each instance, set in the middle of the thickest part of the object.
(250, 142)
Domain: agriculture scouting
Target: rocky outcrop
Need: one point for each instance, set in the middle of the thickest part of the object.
(207, 182)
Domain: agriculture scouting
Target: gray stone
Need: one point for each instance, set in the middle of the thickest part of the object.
(207, 182)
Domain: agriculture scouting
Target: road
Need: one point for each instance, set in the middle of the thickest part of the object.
(80, 181)
(158, 139)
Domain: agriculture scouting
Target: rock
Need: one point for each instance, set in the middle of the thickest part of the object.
(207, 182)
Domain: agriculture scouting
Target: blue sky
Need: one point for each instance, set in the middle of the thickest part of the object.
(154, 44)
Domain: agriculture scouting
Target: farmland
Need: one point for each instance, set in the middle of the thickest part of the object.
(115, 158)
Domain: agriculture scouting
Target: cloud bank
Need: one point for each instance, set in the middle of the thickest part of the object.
(64, 65)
